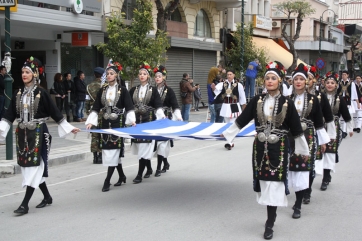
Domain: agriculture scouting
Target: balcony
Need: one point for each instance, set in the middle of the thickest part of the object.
(222, 4)
(177, 29)
(312, 43)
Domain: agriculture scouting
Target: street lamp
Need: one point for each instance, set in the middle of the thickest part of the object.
(320, 30)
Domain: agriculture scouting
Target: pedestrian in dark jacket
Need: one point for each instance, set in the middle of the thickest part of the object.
(69, 101)
(187, 89)
(80, 93)
(59, 91)
(197, 97)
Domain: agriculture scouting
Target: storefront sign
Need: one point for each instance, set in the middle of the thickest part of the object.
(88, 5)
(80, 39)
(51, 68)
(262, 22)
(12, 9)
(78, 6)
(7, 3)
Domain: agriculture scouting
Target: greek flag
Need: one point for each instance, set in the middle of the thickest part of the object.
(166, 129)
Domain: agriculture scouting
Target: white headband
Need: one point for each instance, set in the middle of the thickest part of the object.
(300, 74)
(272, 72)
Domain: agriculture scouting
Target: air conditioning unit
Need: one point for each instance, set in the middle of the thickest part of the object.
(276, 24)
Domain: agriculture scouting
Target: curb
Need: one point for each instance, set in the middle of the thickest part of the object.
(10, 167)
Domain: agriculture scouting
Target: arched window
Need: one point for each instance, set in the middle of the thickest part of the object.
(202, 25)
(176, 16)
(127, 8)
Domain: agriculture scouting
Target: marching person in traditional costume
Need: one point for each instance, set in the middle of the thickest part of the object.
(115, 105)
(233, 95)
(148, 107)
(357, 117)
(172, 111)
(274, 116)
(328, 123)
(348, 91)
(32, 106)
(340, 109)
(92, 90)
(310, 113)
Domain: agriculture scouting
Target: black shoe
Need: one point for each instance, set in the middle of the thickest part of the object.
(21, 210)
(344, 134)
(120, 180)
(358, 130)
(158, 173)
(296, 213)
(148, 173)
(354, 129)
(45, 201)
(99, 158)
(106, 186)
(306, 198)
(268, 234)
(228, 146)
(324, 186)
(165, 167)
(138, 179)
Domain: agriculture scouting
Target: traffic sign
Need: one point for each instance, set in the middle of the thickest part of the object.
(320, 63)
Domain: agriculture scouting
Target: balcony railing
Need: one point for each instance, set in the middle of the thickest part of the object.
(312, 38)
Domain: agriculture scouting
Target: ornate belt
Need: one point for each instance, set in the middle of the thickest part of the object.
(306, 124)
(272, 138)
(31, 125)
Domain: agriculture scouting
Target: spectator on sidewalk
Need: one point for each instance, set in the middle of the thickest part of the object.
(197, 97)
(2, 90)
(69, 104)
(186, 89)
(59, 91)
(250, 75)
(80, 93)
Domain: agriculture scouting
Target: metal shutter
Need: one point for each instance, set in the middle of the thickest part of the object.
(203, 61)
(179, 61)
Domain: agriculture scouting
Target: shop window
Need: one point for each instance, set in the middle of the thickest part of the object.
(202, 25)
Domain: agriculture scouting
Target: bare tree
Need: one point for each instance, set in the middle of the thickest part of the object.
(294, 9)
(354, 40)
(164, 13)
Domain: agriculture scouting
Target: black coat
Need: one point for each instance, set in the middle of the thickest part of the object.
(80, 89)
(325, 106)
(69, 85)
(59, 88)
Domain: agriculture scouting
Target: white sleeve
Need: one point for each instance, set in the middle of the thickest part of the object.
(242, 98)
(218, 89)
(92, 119)
(323, 137)
(331, 130)
(176, 115)
(301, 146)
(4, 129)
(231, 132)
(354, 95)
(64, 128)
(130, 118)
(160, 114)
(349, 125)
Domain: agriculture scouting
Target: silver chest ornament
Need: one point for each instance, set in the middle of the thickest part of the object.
(304, 126)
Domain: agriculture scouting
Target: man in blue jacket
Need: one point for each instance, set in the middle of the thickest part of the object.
(250, 75)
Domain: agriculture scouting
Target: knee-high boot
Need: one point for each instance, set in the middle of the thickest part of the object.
(149, 169)
(298, 204)
(24, 206)
(159, 163)
(122, 177)
(107, 181)
(308, 192)
(272, 215)
(166, 165)
(141, 167)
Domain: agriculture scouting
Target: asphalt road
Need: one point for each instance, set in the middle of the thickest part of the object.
(206, 195)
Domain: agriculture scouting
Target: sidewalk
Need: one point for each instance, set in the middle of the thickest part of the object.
(69, 149)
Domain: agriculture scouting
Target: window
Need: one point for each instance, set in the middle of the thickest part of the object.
(202, 25)
(127, 8)
(176, 16)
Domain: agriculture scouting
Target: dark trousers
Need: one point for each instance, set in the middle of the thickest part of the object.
(60, 102)
(218, 118)
(70, 108)
(197, 101)
(2, 106)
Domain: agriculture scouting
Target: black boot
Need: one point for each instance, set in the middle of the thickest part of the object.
(141, 167)
(106, 186)
(122, 177)
(149, 169)
(298, 204)
(95, 158)
(166, 165)
(99, 158)
(272, 215)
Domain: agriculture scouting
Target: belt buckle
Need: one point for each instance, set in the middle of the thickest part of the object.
(304, 126)
(272, 139)
(113, 116)
(106, 116)
(262, 137)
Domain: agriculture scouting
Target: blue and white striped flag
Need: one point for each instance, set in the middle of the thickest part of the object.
(166, 129)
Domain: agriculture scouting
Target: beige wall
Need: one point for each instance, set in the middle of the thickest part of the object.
(188, 12)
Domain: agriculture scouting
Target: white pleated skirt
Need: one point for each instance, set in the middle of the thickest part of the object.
(163, 148)
(226, 111)
(298, 180)
(33, 176)
(143, 150)
(329, 161)
(110, 158)
(272, 194)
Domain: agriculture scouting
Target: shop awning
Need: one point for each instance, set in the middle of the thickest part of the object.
(275, 51)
